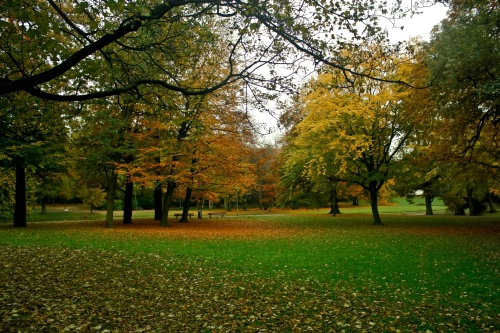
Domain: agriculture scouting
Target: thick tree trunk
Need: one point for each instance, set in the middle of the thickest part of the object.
(20, 206)
(44, 206)
(187, 201)
(127, 202)
(428, 203)
(111, 200)
(374, 204)
(158, 202)
(166, 204)
(334, 204)
(337, 209)
(490, 202)
(470, 202)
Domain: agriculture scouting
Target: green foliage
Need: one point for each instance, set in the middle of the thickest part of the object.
(95, 197)
(7, 189)
(464, 60)
(145, 198)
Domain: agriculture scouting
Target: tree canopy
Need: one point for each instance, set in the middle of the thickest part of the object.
(70, 51)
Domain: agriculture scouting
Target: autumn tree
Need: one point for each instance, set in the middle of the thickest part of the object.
(72, 51)
(265, 157)
(356, 130)
(191, 144)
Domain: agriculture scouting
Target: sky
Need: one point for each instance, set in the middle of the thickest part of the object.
(418, 25)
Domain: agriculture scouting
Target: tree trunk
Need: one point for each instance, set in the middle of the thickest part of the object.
(44, 206)
(111, 200)
(187, 201)
(334, 204)
(490, 202)
(245, 201)
(337, 209)
(260, 196)
(469, 201)
(127, 202)
(91, 209)
(166, 203)
(158, 203)
(355, 201)
(20, 206)
(158, 192)
(374, 204)
(428, 203)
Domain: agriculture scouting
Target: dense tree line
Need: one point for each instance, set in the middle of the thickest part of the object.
(111, 96)
(442, 140)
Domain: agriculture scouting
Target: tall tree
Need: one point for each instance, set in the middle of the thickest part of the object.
(464, 62)
(356, 130)
(32, 140)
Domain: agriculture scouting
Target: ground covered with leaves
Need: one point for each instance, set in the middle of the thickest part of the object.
(282, 274)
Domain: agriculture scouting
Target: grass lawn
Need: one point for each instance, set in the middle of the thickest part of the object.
(287, 272)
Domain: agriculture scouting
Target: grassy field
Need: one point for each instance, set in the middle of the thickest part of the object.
(287, 271)
(82, 212)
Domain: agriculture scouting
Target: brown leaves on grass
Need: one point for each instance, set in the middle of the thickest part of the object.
(63, 290)
(268, 227)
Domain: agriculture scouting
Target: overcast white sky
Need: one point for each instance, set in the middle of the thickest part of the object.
(418, 25)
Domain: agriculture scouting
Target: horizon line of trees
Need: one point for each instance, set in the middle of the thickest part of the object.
(158, 94)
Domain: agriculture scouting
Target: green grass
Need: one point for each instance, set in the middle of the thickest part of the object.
(397, 206)
(82, 212)
(416, 273)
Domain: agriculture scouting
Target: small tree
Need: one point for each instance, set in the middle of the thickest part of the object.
(94, 197)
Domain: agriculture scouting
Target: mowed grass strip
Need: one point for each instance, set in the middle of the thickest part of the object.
(285, 273)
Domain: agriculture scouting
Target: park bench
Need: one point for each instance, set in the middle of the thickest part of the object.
(180, 214)
(216, 214)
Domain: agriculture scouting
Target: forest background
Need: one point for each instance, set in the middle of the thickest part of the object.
(99, 100)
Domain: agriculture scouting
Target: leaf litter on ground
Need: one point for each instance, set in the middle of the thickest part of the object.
(64, 289)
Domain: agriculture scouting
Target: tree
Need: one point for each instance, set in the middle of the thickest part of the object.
(7, 193)
(267, 162)
(71, 51)
(94, 197)
(356, 130)
(180, 150)
(464, 58)
(32, 141)
(102, 136)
